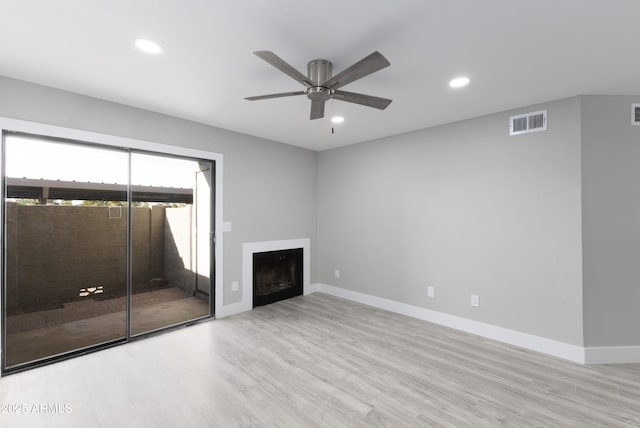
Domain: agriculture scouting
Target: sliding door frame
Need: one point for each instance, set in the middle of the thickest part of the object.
(140, 146)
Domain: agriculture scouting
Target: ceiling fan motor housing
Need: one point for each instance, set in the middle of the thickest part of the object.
(318, 72)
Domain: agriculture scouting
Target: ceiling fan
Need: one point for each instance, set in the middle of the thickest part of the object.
(321, 85)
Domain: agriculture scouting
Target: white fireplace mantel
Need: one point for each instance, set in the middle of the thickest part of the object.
(248, 248)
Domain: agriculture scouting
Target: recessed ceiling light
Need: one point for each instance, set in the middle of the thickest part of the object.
(148, 46)
(337, 119)
(459, 82)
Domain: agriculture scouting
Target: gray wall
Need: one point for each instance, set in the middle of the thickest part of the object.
(467, 209)
(611, 221)
(269, 187)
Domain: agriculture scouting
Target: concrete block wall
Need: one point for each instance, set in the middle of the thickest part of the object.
(54, 251)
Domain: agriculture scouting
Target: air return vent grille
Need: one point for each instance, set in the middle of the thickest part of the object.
(635, 114)
(528, 122)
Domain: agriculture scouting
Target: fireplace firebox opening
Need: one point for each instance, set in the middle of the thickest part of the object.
(277, 275)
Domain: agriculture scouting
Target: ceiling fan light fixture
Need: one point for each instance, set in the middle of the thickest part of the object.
(148, 46)
(459, 82)
(337, 119)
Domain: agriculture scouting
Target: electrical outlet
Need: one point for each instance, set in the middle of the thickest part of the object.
(430, 292)
(475, 300)
(235, 286)
(337, 273)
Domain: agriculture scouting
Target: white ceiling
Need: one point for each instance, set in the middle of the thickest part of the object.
(516, 52)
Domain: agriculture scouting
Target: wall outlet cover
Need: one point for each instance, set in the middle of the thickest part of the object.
(235, 286)
(430, 292)
(475, 300)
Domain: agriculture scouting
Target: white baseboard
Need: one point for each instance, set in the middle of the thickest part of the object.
(312, 288)
(247, 305)
(566, 351)
(543, 345)
(232, 309)
(612, 355)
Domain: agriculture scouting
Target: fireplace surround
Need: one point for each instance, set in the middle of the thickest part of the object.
(251, 248)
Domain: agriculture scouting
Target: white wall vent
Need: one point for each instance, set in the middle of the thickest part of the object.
(635, 114)
(528, 122)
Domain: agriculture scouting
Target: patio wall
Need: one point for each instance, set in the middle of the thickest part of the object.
(55, 251)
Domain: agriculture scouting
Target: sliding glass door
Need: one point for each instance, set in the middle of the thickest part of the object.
(100, 245)
(171, 241)
(65, 237)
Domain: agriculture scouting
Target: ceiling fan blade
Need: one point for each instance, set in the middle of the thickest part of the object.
(283, 66)
(365, 100)
(282, 94)
(370, 64)
(317, 109)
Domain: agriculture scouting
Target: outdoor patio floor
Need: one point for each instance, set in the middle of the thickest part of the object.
(36, 335)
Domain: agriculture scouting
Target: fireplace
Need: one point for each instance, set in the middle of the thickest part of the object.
(277, 275)
(251, 248)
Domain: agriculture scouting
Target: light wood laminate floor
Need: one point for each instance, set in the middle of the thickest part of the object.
(320, 361)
